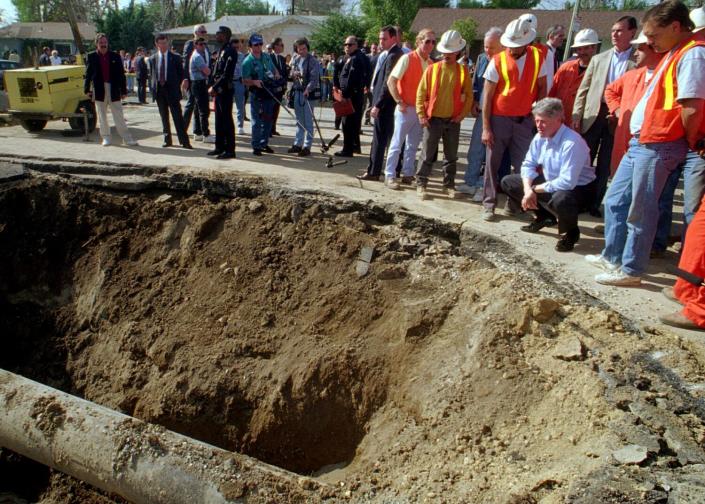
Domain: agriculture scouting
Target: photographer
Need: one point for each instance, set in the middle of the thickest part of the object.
(259, 74)
(306, 91)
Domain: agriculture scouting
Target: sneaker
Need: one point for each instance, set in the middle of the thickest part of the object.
(106, 142)
(197, 138)
(679, 320)
(466, 189)
(421, 192)
(450, 192)
(209, 139)
(392, 183)
(478, 197)
(241, 131)
(618, 279)
(488, 215)
(599, 261)
(131, 142)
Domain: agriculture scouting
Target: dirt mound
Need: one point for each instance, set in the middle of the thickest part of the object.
(396, 359)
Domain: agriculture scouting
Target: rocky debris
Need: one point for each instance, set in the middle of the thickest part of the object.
(163, 198)
(631, 454)
(393, 272)
(363, 263)
(570, 350)
(255, 206)
(543, 309)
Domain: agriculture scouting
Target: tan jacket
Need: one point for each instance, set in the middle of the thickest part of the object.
(589, 98)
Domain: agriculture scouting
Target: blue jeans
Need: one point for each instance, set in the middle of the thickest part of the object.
(304, 115)
(693, 185)
(476, 155)
(239, 99)
(407, 131)
(631, 202)
(261, 115)
(665, 210)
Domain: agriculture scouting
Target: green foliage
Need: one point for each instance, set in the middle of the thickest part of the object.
(55, 10)
(466, 27)
(127, 28)
(328, 37)
(394, 12)
(512, 4)
(170, 13)
(316, 7)
(243, 8)
(471, 4)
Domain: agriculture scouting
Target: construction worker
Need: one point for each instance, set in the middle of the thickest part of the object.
(673, 103)
(403, 84)
(515, 78)
(443, 100)
(570, 74)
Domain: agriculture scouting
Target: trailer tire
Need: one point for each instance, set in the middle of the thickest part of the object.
(33, 125)
(76, 123)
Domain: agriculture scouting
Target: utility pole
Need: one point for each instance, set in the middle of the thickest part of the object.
(292, 7)
(569, 39)
(73, 23)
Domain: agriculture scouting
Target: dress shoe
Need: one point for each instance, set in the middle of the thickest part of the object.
(367, 176)
(187, 146)
(538, 225)
(267, 149)
(357, 150)
(226, 155)
(167, 144)
(294, 149)
(343, 154)
(304, 152)
(595, 212)
(214, 152)
(276, 133)
(568, 241)
(257, 152)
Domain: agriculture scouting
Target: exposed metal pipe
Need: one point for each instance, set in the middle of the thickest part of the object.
(142, 462)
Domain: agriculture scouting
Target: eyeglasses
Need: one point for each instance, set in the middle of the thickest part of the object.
(202, 31)
(348, 44)
(432, 42)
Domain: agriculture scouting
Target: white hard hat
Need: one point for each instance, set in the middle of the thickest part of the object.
(586, 37)
(518, 33)
(451, 42)
(641, 39)
(697, 16)
(531, 19)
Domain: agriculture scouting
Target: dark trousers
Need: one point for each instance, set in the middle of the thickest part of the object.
(142, 89)
(224, 124)
(563, 206)
(352, 124)
(275, 115)
(383, 131)
(600, 140)
(449, 132)
(188, 112)
(165, 104)
(199, 89)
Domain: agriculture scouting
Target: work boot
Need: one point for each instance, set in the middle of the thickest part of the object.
(304, 152)
(669, 294)
(294, 149)
(421, 192)
(677, 319)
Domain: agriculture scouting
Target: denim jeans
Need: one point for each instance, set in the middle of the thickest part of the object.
(631, 202)
(239, 99)
(407, 131)
(261, 115)
(693, 185)
(665, 210)
(304, 115)
(476, 155)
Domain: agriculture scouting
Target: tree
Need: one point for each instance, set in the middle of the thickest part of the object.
(466, 27)
(317, 7)
(127, 28)
(471, 4)
(55, 10)
(244, 8)
(170, 13)
(328, 37)
(512, 4)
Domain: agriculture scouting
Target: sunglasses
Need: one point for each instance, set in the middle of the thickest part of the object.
(257, 44)
(432, 42)
(346, 44)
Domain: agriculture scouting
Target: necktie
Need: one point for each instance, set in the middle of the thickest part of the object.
(162, 71)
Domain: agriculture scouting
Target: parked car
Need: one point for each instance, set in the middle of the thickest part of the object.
(7, 65)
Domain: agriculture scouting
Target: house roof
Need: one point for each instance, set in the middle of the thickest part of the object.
(440, 20)
(245, 25)
(46, 31)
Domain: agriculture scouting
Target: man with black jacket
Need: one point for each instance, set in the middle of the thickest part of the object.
(141, 75)
(106, 75)
(167, 75)
(383, 104)
(199, 31)
(352, 81)
(222, 89)
(279, 62)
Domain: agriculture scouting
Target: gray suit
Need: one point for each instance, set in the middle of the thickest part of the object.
(590, 107)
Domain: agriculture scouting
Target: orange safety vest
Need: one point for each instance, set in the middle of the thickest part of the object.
(514, 96)
(433, 80)
(409, 83)
(663, 111)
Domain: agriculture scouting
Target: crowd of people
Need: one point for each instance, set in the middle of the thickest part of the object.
(607, 133)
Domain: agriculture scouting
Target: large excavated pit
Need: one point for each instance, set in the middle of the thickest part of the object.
(393, 358)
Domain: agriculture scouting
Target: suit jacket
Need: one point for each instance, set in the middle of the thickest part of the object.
(189, 46)
(94, 77)
(174, 75)
(141, 68)
(354, 75)
(223, 70)
(381, 97)
(588, 100)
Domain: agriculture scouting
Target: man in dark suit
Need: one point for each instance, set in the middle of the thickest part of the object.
(167, 74)
(383, 104)
(105, 84)
(222, 89)
(352, 80)
(199, 31)
(141, 74)
(279, 62)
